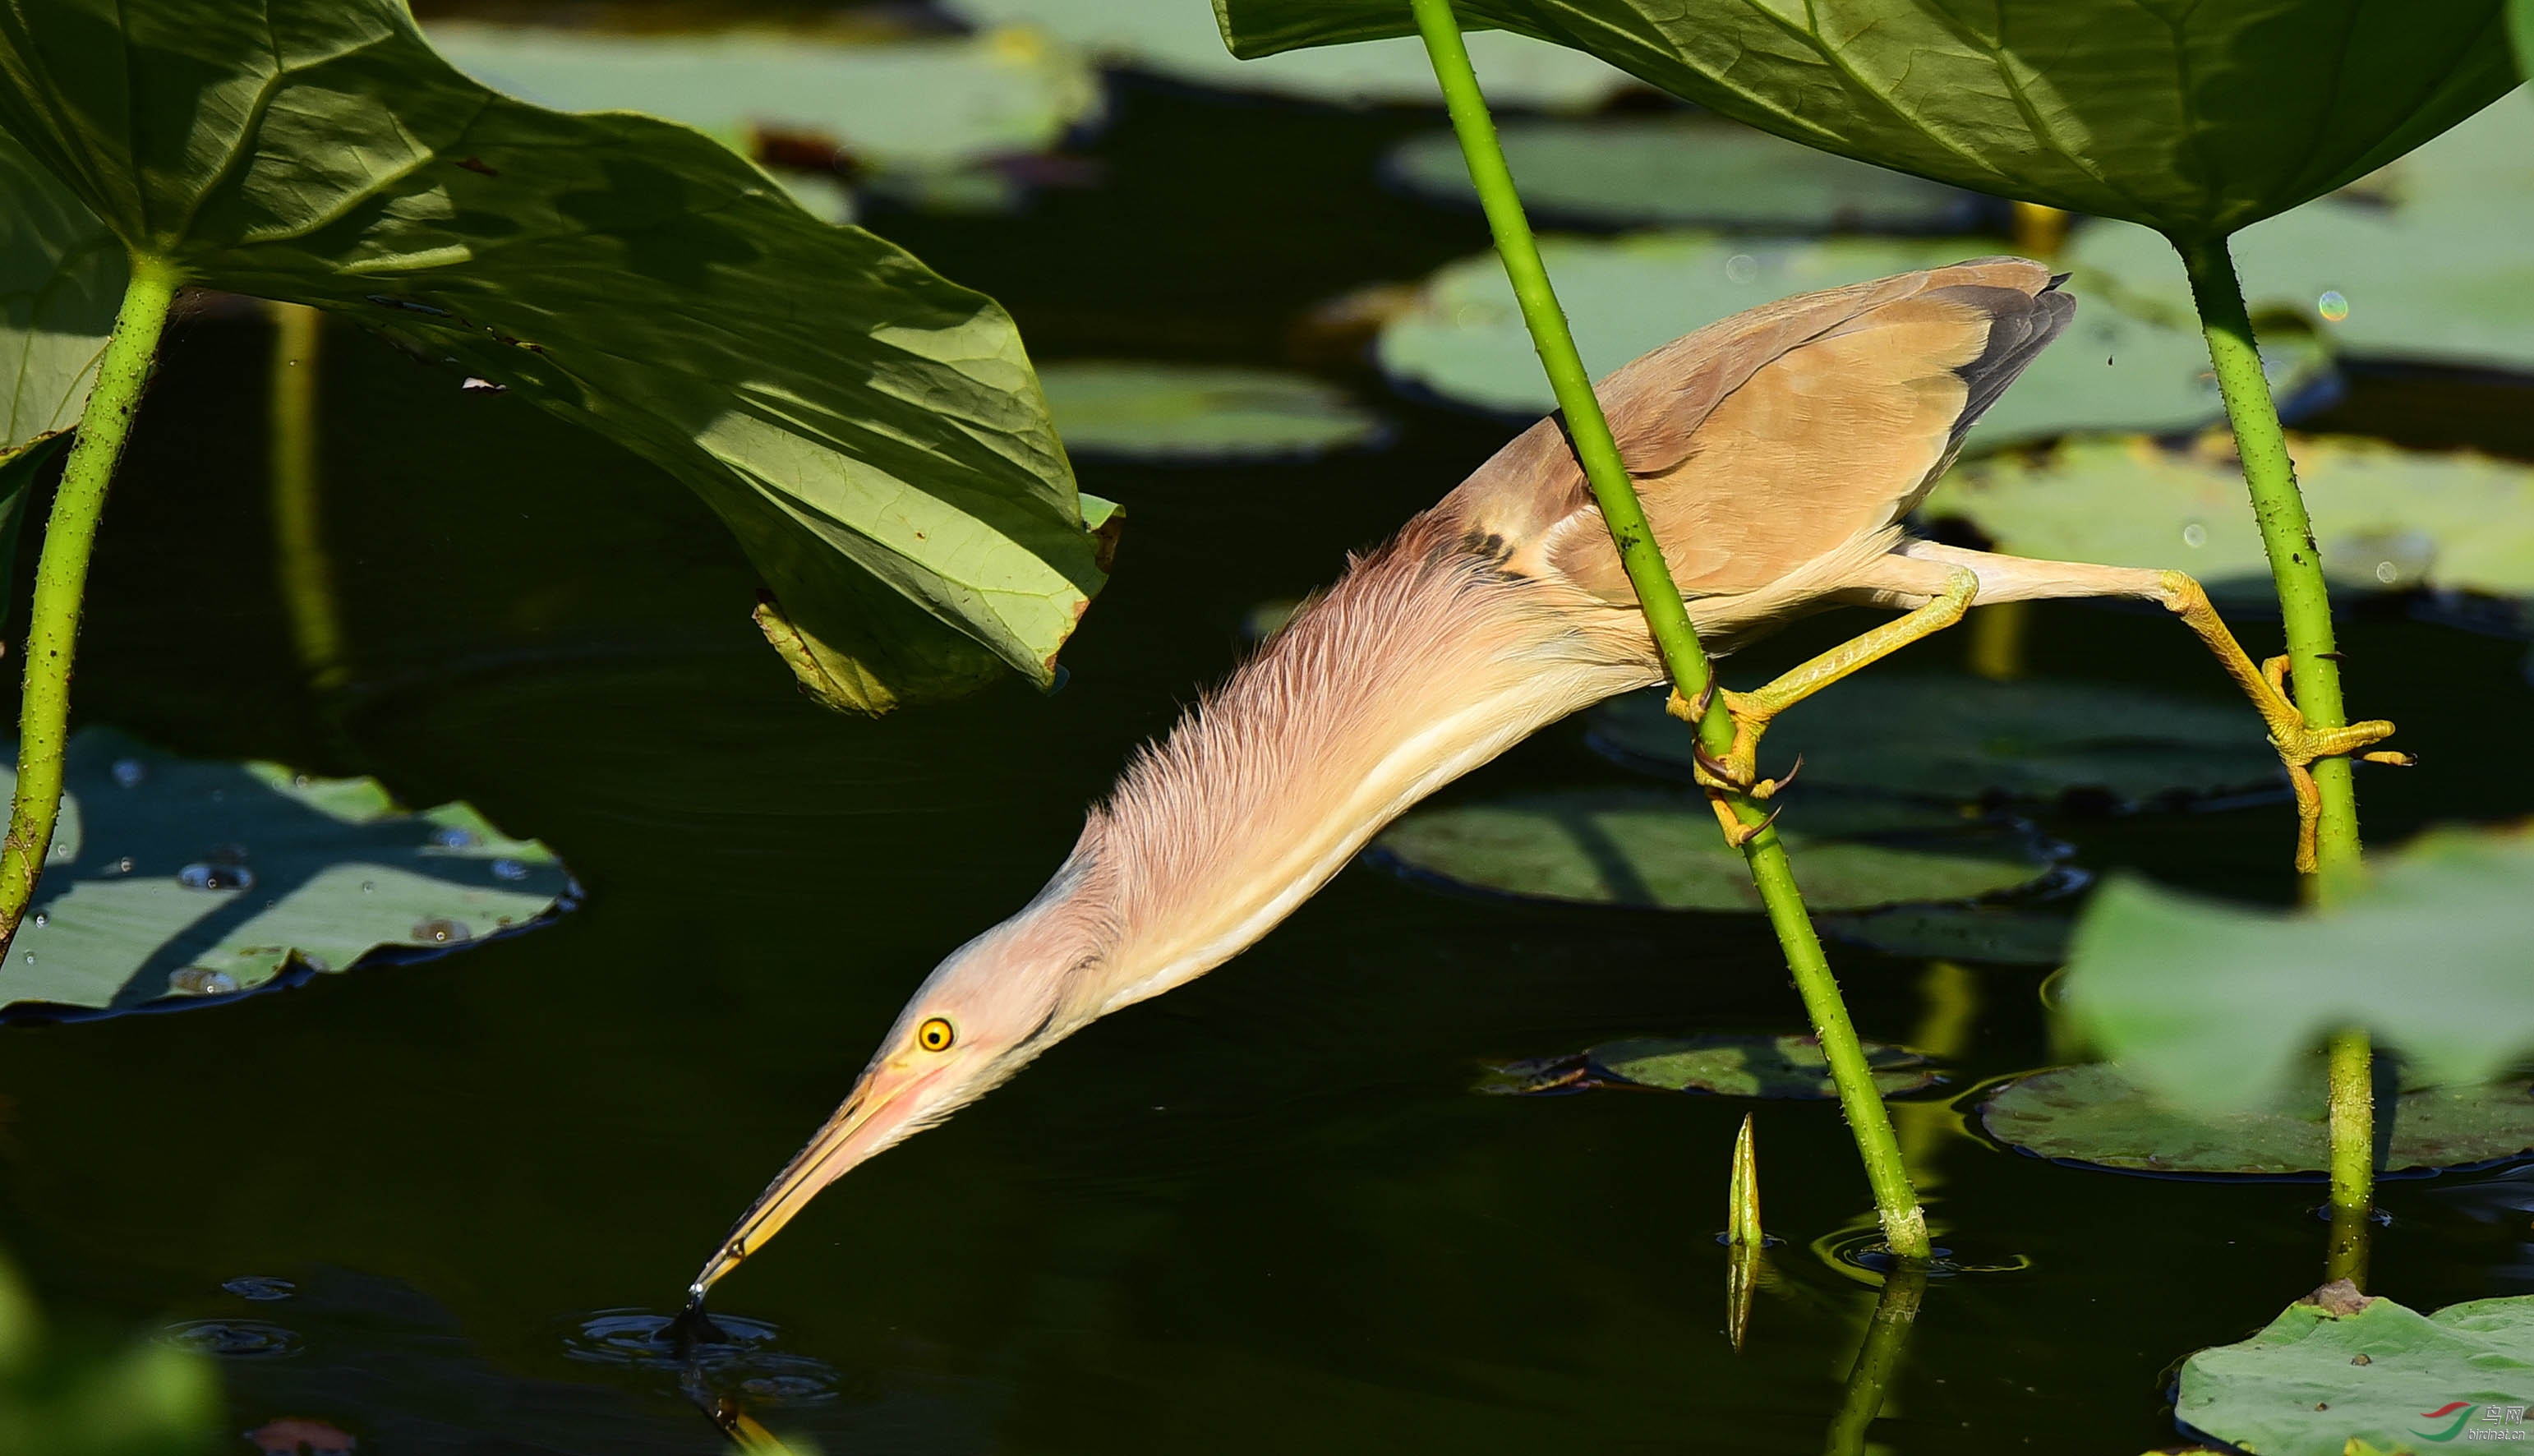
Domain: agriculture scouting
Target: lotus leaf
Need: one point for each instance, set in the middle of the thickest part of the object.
(1970, 738)
(1173, 38)
(2384, 516)
(1985, 932)
(2192, 119)
(172, 878)
(2340, 1374)
(1659, 850)
(1724, 1064)
(1195, 414)
(1465, 340)
(1650, 171)
(872, 433)
(2424, 261)
(2215, 1005)
(2095, 1114)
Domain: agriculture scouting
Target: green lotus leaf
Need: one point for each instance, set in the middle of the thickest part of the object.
(2095, 1114)
(872, 433)
(1982, 932)
(2382, 516)
(1724, 1064)
(175, 877)
(2424, 261)
(1672, 171)
(2341, 1374)
(2191, 119)
(1197, 414)
(2216, 1005)
(1176, 39)
(1655, 849)
(1464, 338)
(1969, 738)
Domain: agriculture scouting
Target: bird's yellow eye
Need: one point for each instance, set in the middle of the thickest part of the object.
(935, 1035)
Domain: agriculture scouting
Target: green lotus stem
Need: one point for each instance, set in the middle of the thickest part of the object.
(61, 575)
(1904, 1225)
(298, 525)
(1878, 1360)
(2305, 604)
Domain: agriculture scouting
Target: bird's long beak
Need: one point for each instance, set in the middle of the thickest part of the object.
(886, 1098)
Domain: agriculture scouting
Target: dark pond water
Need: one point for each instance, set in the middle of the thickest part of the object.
(1263, 1213)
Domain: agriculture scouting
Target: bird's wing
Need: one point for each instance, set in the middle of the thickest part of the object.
(1779, 435)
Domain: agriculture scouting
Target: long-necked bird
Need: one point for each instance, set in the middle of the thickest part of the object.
(1777, 453)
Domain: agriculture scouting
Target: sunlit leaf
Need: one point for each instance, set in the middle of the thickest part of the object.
(1465, 340)
(1969, 738)
(1656, 850)
(175, 877)
(2215, 1004)
(2093, 1114)
(1723, 1065)
(1197, 414)
(2194, 119)
(872, 433)
(2340, 1374)
(1649, 171)
(2382, 516)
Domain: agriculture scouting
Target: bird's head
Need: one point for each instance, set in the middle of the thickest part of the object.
(997, 1002)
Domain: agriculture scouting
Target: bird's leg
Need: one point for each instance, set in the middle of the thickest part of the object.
(1737, 771)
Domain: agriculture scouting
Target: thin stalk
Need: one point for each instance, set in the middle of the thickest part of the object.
(298, 522)
(2305, 605)
(61, 575)
(1904, 1226)
(1878, 1361)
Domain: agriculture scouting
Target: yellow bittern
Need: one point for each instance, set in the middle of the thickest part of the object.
(1776, 454)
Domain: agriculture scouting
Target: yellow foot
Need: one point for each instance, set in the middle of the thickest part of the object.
(1739, 771)
(2299, 745)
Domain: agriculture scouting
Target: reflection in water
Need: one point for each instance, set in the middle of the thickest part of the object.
(1878, 1361)
(232, 1339)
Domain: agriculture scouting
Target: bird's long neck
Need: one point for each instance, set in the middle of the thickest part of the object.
(1423, 662)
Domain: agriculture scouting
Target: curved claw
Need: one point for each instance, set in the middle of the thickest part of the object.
(1693, 711)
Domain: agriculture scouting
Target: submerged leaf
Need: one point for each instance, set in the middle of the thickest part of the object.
(2215, 1004)
(1195, 415)
(1723, 1063)
(1648, 171)
(2382, 516)
(870, 432)
(1967, 737)
(2094, 1113)
(2196, 120)
(2338, 1373)
(1652, 849)
(1465, 339)
(178, 878)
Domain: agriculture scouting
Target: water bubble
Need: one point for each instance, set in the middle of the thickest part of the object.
(122, 866)
(2387, 573)
(441, 931)
(129, 773)
(2332, 305)
(510, 870)
(259, 1287)
(201, 981)
(2194, 534)
(369, 886)
(1741, 267)
(453, 838)
(235, 1339)
(214, 874)
(2398, 559)
(42, 920)
(300, 780)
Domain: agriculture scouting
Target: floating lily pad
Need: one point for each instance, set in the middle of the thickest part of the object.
(2423, 261)
(2338, 1373)
(1661, 850)
(1179, 40)
(1725, 1066)
(179, 877)
(917, 104)
(1674, 171)
(1465, 342)
(1987, 933)
(2095, 1114)
(1957, 737)
(1197, 413)
(2384, 517)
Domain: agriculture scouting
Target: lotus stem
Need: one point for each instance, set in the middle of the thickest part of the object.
(1878, 1360)
(298, 522)
(61, 576)
(2305, 605)
(1904, 1225)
